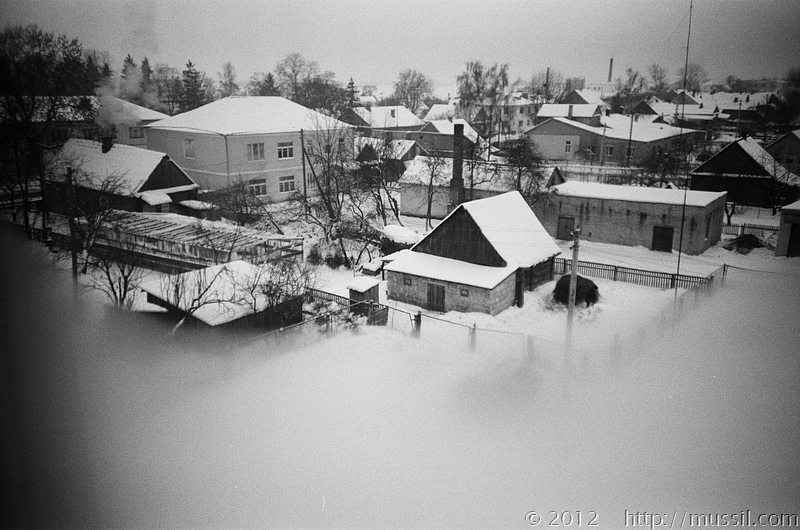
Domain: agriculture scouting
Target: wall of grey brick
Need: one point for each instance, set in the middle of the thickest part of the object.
(492, 301)
(631, 223)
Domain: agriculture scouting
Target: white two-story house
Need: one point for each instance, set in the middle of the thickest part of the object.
(255, 139)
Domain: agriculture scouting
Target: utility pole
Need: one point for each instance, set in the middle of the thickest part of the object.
(573, 282)
(72, 228)
(630, 139)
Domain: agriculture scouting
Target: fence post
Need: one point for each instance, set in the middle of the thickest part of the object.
(724, 271)
(473, 342)
(673, 279)
(416, 325)
(616, 268)
(743, 229)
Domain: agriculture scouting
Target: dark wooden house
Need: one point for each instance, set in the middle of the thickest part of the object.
(121, 177)
(480, 258)
(749, 174)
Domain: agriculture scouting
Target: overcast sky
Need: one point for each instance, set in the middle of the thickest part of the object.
(371, 41)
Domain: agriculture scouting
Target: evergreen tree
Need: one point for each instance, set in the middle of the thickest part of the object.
(128, 66)
(352, 93)
(193, 90)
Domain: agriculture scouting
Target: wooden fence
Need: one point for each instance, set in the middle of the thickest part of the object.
(660, 280)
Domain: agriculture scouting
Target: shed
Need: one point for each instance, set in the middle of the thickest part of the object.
(363, 289)
(632, 215)
(481, 257)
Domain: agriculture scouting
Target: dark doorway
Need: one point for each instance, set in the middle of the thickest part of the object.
(565, 227)
(662, 238)
(436, 297)
(794, 242)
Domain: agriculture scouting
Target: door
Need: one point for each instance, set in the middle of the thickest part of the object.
(662, 238)
(794, 242)
(436, 297)
(565, 227)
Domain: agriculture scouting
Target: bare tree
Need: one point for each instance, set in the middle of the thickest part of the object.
(411, 88)
(526, 170)
(548, 86)
(169, 88)
(117, 272)
(695, 74)
(240, 203)
(378, 174)
(629, 89)
(291, 71)
(187, 292)
(227, 81)
(435, 167)
(658, 78)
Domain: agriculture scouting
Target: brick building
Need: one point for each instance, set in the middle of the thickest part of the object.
(627, 215)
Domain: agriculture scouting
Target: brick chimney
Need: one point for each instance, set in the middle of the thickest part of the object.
(457, 182)
(569, 112)
(108, 143)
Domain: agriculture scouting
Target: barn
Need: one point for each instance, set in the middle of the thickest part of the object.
(633, 216)
(480, 258)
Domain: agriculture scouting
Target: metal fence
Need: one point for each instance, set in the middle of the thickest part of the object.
(756, 230)
(660, 280)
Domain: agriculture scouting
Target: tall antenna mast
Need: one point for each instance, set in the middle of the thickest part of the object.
(683, 148)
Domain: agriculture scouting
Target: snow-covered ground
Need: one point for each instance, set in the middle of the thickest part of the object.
(373, 428)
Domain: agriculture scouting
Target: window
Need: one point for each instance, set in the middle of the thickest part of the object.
(394, 113)
(464, 292)
(135, 132)
(258, 187)
(631, 151)
(406, 281)
(609, 150)
(255, 151)
(568, 146)
(520, 124)
(188, 148)
(285, 150)
(286, 184)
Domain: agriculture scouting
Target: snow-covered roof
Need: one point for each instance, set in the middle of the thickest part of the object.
(592, 97)
(440, 111)
(249, 115)
(118, 110)
(619, 127)
(196, 205)
(155, 198)
(401, 234)
(791, 208)
(128, 166)
(552, 110)
(767, 161)
(448, 270)
(363, 284)
(388, 116)
(595, 190)
(512, 229)
(227, 298)
(394, 149)
(447, 127)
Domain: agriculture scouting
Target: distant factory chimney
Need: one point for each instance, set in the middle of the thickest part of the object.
(457, 182)
(610, 69)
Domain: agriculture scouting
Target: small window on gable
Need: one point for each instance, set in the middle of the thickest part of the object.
(135, 132)
(188, 148)
(464, 292)
(406, 281)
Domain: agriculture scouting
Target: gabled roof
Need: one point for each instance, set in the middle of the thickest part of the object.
(595, 190)
(756, 156)
(446, 127)
(553, 110)
(512, 228)
(393, 149)
(129, 166)
(440, 111)
(508, 225)
(619, 127)
(591, 97)
(249, 115)
(388, 116)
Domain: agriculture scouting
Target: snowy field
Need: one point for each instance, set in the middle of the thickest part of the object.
(117, 427)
